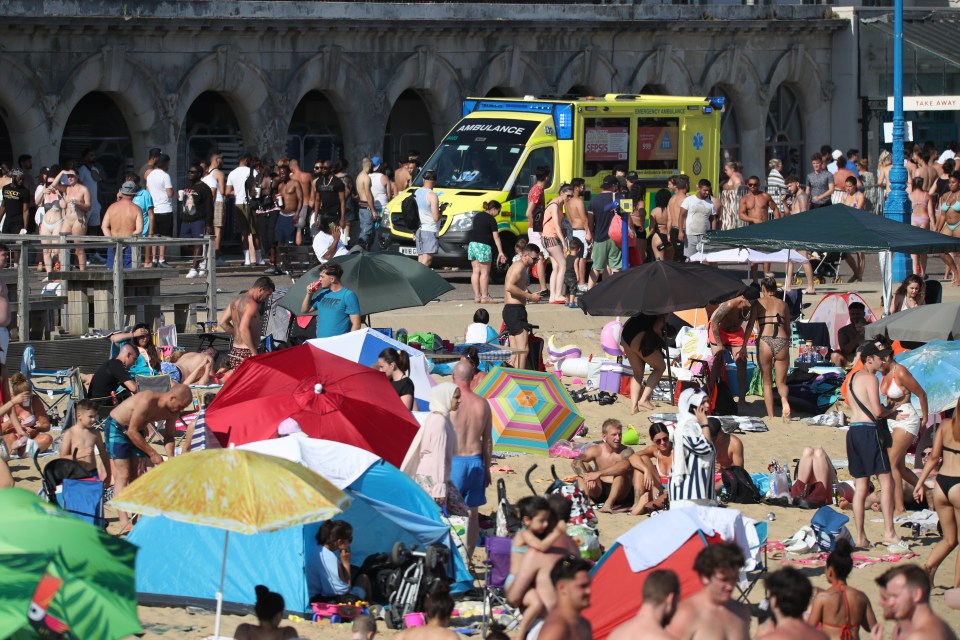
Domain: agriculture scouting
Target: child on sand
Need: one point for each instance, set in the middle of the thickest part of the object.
(269, 612)
(364, 628)
(82, 441)
(574, 249)
(438, 607)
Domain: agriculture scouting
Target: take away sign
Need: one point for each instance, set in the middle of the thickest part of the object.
(927, 103)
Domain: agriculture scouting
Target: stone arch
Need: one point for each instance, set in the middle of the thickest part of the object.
(245, 88)
(588, 69)
(513, 70)
(335, 75)
(662, 67)
(431, 76)
(22, 104)
(733, 71)
(121, 78)
(799, 69)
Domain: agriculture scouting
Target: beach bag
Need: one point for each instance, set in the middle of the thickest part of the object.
(410, 212)
(616, 232)
(779, 484)
(581, 513)
(587, 541)
(739, 486)
(829, 526)
(427, 341)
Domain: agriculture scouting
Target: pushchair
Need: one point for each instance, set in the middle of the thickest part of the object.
(415, 574)
(825, 267)
(74, 489)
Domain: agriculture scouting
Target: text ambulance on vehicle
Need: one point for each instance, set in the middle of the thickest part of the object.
(492, 153)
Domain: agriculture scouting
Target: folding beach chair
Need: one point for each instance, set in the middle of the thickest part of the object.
(56, 388)
(758, 553)
(494, 587)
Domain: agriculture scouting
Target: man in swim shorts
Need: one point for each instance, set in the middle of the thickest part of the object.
(725, 331)
(241, 319)
(470, 469)
(515, 298)
(126, 428)
(610, 482)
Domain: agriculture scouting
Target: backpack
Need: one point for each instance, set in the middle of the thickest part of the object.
(739, 486)
(410, 212)
(250, 186)
(538, 219)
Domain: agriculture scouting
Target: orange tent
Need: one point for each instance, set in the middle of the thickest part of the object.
(897, 350)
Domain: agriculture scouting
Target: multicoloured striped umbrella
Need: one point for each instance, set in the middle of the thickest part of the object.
(531, 409)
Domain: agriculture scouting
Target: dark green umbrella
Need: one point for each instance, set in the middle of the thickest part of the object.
(834, 228)
(383, 281)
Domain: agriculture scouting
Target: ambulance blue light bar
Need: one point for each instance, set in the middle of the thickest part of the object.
(562, 113)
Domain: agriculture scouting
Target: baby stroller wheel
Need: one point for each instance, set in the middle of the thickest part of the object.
(432, 558)
(838, 280)
(797, 281)
(399, 554)
(817, 280)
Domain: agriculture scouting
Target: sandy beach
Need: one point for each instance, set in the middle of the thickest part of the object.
(784, 441)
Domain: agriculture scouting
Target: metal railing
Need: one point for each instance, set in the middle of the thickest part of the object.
(27, 245)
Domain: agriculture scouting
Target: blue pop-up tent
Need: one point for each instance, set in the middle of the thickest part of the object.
(179, 563)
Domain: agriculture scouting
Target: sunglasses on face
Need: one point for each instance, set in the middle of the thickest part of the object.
(753, 184)
(659, 440)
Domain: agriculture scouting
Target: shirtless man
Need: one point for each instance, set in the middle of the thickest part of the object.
(754, 209)
(470, 469)
(123, 219)
(710, 614)
(576, 212)
(795, 200)
(789, 594)
(241, 319)
(306, 188)
(571, 579)
(290, 198)
(726, 332)
(438, 607)
(196, 367)
(681, 189)
(368, 208)
(661, 595)
(611, 480)
(403, 176)
(515, 299)
(867, 454)
(729, 447)
(850, 336)
(905, 596)
(125, 433)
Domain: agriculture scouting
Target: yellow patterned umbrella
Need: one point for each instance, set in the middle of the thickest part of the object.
(235, 490)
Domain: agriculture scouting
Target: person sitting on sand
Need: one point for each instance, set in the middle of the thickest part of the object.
(816, 475)
(789, 593)
(329, 573)
(34, 421)
(269, 612)
(729, 447)
(692, 473)
(438, 607)
(83, 441)
(480, 331)
(841, 611)
(850, 336)
(610, 482)
(364, 628)
(651, 471)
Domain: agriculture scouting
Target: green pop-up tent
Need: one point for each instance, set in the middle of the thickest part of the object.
(836, 228)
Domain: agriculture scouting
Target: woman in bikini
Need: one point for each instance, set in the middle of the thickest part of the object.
(910, 294)
(659, 241)
(841, 611)
(51, 224)
(948, 221)
(899, 386)
(773, 320)
(554, 242)
(651, 474)
(946, 492)
(854, 198)
(921, 213)
(642, 341)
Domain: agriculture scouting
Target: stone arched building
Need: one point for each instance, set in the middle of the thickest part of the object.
(323, 79)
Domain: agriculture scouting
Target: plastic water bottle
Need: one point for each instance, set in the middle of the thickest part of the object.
(836, 494)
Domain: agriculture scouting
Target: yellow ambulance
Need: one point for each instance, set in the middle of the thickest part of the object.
(493, 151)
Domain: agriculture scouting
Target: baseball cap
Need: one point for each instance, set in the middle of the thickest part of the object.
(154, 152)
(376, 160)
(874, 348)
(609, 181)
(837, 154)
(632, 176)
(128, 188)
(16, 172)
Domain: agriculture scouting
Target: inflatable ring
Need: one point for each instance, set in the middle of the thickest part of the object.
(558, 354)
